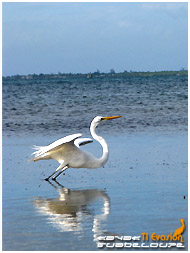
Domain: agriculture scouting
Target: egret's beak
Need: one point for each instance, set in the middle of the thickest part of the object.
(111, 117)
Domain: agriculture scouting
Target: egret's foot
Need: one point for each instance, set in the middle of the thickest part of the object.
(54, 178)
(47, 179)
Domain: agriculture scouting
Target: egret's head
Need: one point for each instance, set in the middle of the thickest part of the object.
(99, 119)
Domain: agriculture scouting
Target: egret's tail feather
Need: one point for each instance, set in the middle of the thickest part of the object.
(37, 154)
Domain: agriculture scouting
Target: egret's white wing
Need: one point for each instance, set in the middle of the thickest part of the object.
(55, 145)
(82, 141)
(58, 143)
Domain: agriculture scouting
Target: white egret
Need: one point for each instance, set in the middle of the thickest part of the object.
(68, 153)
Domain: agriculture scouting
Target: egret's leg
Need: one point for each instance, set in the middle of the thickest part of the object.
(59, 168)
(54, 178)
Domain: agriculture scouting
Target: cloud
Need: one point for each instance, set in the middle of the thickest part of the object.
(174, 10)
(164, 6)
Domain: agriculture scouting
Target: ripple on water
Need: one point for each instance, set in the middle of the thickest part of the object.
(58, 105)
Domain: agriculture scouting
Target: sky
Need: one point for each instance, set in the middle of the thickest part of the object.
(82, 37)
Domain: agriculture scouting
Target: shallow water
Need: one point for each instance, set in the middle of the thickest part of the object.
(140, 189)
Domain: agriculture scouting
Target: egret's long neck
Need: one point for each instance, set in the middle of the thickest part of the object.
(103, 159)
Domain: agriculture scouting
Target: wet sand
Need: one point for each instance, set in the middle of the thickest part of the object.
(142, 188)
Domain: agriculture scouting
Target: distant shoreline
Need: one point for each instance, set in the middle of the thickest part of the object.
(97, 74)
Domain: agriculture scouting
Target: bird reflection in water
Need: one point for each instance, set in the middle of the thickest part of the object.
(71, 209)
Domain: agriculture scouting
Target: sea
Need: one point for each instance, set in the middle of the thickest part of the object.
(156, 103)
